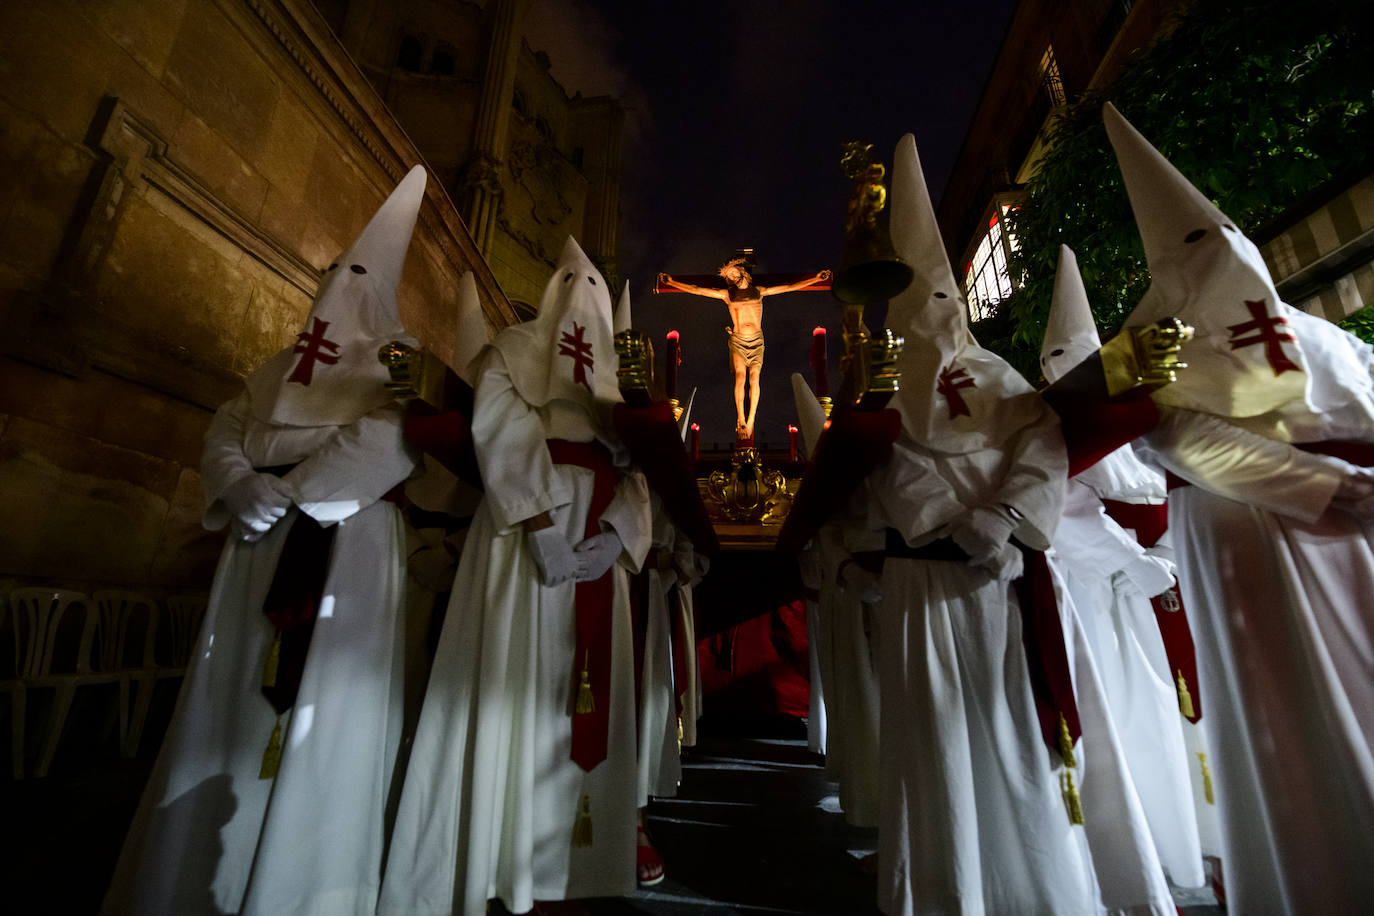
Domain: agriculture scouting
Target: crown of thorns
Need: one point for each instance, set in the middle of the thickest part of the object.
(739, 264)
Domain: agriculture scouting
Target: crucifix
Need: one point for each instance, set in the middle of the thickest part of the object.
(744, 294)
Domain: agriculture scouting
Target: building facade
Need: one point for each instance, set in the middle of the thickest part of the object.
(1321, 253)
(178, 173)
(526, 164)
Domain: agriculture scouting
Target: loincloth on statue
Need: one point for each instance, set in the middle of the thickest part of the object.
(748, 347)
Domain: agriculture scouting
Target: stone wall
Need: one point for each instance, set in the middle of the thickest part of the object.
(177, 174)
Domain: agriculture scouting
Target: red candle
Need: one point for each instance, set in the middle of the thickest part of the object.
(674, 360)
(791, 443)
(696, 441)
(818, 363)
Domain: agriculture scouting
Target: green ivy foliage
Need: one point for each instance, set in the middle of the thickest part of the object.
(1258, 103)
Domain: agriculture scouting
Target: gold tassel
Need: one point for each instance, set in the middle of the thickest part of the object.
(1072, 802)
(582, 829)
(269, 667)
(1066, 743)
(271, 757)
(679, 736)
(585, 703)
(1206, 779)
(1185, 699)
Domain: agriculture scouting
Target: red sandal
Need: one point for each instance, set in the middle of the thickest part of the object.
(649, 869)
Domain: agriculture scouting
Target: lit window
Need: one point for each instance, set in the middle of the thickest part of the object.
(987, 280)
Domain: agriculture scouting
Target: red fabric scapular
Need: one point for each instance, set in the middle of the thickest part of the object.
(1149, 524)
(1047, 658)
(593, 602)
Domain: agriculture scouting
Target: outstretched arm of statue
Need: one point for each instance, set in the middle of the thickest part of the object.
(820, 277)
(667, 280)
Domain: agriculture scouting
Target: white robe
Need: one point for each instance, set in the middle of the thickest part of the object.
(209, 836)
(972, 819)
(1125, 868)
(689, 692)
(1133, 669)
(491, 794)
(847, 627)
(818, 737)
(660, 767)
(1277, 585)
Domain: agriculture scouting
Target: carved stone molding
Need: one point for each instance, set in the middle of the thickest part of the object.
(322, 62)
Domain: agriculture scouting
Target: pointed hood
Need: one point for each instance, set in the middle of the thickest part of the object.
(955, 397)
(1251, 353)
(810, 414)
(685, 423)
(1071, 334)
(330, 375)
(624, 319)
(471, 333)
(567, 351)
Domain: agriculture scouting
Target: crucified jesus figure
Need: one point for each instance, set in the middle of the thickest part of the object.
(745, 337)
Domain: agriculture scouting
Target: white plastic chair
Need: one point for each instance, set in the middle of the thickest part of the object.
(182, 619)
(129, 624)
(56, 633)
(10, 683)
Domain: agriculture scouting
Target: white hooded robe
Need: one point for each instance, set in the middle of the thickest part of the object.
(1277, 580)
(491, 795)
(209, 836)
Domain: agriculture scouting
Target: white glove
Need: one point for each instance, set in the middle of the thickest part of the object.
(982, 534)
(859, 582)
(552, 554)
(1356, 493)
(1007, 565)
(1150, 575)
(596, 554)
(256, 502)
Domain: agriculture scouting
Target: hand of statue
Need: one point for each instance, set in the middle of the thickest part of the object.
(664, 279)
(256, 502)
(823, 275)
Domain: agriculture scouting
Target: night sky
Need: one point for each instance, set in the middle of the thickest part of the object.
(738, 112)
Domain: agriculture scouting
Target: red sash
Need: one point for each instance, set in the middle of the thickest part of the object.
(293, 599)
(1149, 524)
(1042, 633)
(593, 602)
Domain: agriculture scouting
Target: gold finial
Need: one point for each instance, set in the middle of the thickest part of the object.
(636, 372)
(1146, 355)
